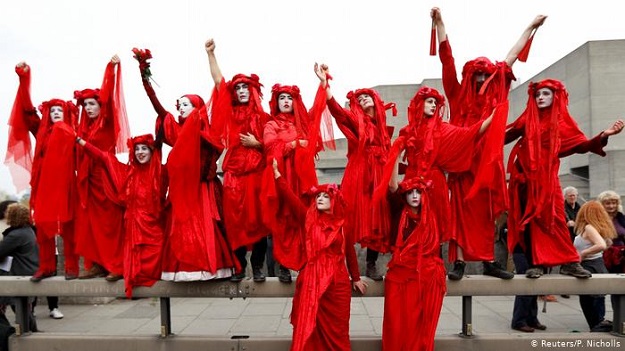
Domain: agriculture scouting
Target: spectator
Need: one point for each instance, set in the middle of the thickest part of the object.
(614, 256)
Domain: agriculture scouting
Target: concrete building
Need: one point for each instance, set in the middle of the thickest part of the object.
(594, 75)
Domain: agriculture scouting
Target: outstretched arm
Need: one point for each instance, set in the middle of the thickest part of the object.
(437, 19)
(29, 112)
(212, 62)
(616, 128)
(393, 184)
(516, 49)
(322, 72)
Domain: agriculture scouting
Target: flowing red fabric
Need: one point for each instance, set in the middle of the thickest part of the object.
(525, 51)
(478, 195)
(433, 40)
(368, 143)
(321, 304)
(19, 158)
(295, 164)
(536, 199)
(415, 281)
(99, 227)
(242, 165)
(144, 197)
(432, 147)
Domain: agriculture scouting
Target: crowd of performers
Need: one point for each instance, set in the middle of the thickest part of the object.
(144, 220)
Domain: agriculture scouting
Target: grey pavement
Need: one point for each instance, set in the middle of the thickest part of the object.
(269, 317)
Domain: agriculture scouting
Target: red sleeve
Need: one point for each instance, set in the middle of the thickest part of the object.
(344, 118)
(160, 110)
(291, 200)
(512, 134)
(352, 261)
(94, 152)
(450, 76)
(457, 147)
(168, 128)
(577, 145)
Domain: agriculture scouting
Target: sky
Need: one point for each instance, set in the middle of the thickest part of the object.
(366, 43)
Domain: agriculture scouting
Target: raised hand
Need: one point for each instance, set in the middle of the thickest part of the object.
(209, 45)
(616, 128)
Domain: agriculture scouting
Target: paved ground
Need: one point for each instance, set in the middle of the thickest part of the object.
(270, 316)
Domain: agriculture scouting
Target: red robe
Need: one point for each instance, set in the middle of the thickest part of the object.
(243, 168)
(297, 167)
(537, 206)
(195, 247)
(321, 304)
(366, 157)
(414, 286)
(53, 179)
(477, 206)
(99, 228)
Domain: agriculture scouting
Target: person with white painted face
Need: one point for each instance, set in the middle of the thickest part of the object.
(99, 228)
(478, 195)
(52, 179)
(538, 234)
(292, 136)
(243, 120)
(321, 304)
(196, 246)
(141, 185)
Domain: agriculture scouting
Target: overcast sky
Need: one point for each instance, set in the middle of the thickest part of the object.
(365, 43)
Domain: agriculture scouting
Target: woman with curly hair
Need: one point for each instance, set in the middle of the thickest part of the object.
(595, 232)
(321, 304)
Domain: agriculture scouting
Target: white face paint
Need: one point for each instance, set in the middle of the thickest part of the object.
(544, 97)
(56, 114)
(185, 107)
(429, 106)
(365, 101)
(143, 154)
(323, 201)
(243, 92)
(92, 106)
(285, 103)
(413, 198)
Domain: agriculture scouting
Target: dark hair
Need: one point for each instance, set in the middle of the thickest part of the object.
(3, 207)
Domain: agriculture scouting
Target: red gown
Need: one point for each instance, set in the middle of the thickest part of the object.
(414, 286)
(53, 179)
(367, 153)
(243, 168)
(321, 304)
(141, 190)
(99, 227)
(478, 195)
(196, 247)
(297, 167)
(537, 206)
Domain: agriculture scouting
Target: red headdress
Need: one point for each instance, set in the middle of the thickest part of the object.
(300, 113)
(421, 132)
(151, 171)
(379, 117)
(253, 82)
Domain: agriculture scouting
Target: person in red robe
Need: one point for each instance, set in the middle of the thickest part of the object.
(321, 304)
(536, 220)
(243, 120)
(415, 280)
(292, 137)
(478, 195)
(141, 189)
(368, 142)
(99, 227)
(196, 247)
(53, 179)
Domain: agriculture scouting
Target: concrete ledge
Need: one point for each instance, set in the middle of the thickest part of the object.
(472, 285)
(485, 342)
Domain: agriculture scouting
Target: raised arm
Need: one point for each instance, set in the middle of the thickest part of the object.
(518, 46)
(393, 184)
(212, 62)
(144, 68)
(287, 194)
(437, 19)
(23, 99)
